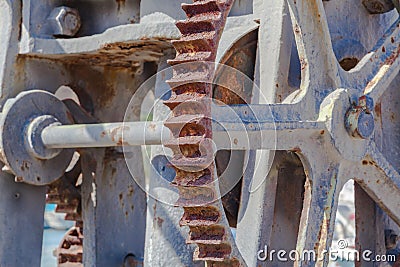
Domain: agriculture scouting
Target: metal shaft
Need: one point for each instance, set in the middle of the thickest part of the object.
(227, 135)
(104, 135)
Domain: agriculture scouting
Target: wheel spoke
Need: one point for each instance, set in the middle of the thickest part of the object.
(275, 35)
(378, 160)
(380, 180)
(257, 127)
(379, 67)
(259, 190)
(388, 68)
(380, 188)
(378, 85)
(319, 209)
(318, 62)
(270, 206)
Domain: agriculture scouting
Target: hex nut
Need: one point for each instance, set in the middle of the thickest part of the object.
(64, 21)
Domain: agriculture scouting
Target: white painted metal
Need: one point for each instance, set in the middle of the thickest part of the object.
(307, 96)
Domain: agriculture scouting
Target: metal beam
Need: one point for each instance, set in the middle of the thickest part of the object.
(21, 222)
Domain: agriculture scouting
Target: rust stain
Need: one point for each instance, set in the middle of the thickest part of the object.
(303, 63)
(371, 84)
(152, 126)
(127, 55)
(229, 87)
(297, 29)
(159, 222)
(378, 109)
(25, 165)
(296, 150)
(390, 60)
(120, 3)
(116, 134)
(121, 142)
(382, 71)
(130, 190)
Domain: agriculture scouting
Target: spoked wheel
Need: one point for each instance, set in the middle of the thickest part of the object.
(331, 124)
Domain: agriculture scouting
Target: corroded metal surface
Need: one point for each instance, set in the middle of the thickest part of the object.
(118, 54)
(65, 193)
(190, 125)
(316, 61)
(70, 251)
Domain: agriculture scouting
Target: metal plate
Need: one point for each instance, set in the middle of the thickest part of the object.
(16, 116)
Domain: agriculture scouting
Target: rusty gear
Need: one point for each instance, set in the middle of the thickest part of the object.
(190, 125)
(66, 194)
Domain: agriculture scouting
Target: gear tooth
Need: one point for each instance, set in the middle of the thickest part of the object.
(191, 126)
(53, 198)
(193, 99)
(194, 43)
(66, 208)
(190, 132)
(201, 7)
(183, 81)
(196, 216)
(73, 217)
(195, 195)
(189, 57)
(70, 264)
(201, 23)
(191, 164)
(213, 252)
(177, 144)
(207, 235)
(200, 178)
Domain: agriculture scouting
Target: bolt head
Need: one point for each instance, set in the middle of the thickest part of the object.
(366, 125)
(360, 123)
(65, 21)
